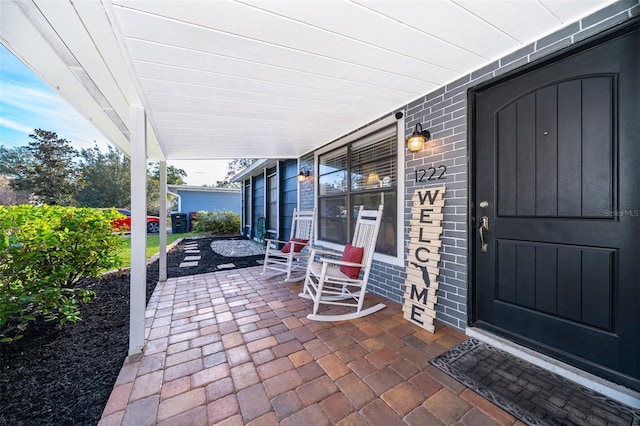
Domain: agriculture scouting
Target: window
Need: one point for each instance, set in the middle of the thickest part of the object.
(363, 172)
(272, 202)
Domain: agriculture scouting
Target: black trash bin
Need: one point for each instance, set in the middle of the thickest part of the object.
(178, 223)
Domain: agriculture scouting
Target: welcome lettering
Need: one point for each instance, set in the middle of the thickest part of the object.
(424, 254)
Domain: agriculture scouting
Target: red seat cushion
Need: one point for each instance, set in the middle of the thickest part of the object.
(296, 247)
(352, 254)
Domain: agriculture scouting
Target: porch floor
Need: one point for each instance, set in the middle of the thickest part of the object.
(235, 348)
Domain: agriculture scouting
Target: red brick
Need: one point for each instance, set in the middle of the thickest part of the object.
(232, 340)
(355, 390)
(405, 369)
(175, 387)
(449, 382)
(383, 380)
(403, 398)
(140, 411)
(223, 408)
(310, 371)
(427, 384)
(146, 385)
(379, 413)
(300, 358)
(446, 406)
(181, 403)
(253, 402)
(282, 383)
(336, 407)
(316, 348)
(339, 342)
(312, 415)
(219, 389)
(181, 370)
(238, 355)
(316, 390)
(477, 417)
(287, 348)
(487, 407)
(303, 334)
(264, 343)
(268, 419)
(286, 404)
(204, 377)
(118, 399)
(273, 368)
(382, 357)
(244, 375)
(353, 419)
(362, 367)
(194, 417)
(263, 357)
(256, 335)
(333, 366)
(422, 416)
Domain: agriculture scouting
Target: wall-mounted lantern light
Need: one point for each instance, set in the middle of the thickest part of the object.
(302, 176)
(416, 141)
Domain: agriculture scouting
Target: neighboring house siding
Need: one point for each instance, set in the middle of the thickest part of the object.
(193, 201)
(288, 196)
(258, 201)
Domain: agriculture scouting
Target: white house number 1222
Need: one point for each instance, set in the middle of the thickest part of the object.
(432, 173)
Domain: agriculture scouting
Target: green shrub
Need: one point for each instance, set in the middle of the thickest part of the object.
(219, 222)
(44, 250)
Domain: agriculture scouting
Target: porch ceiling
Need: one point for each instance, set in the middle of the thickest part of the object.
(262, 78)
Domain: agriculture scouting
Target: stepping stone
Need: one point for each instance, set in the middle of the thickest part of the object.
(188, 264)
(191, 258)
(226, 266)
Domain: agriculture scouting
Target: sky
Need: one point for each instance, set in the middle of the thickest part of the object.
(28, 103)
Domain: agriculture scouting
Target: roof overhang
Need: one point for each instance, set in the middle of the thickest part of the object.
(262, 79)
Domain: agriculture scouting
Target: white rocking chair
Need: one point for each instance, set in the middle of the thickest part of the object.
(294, 254)
(335, 280)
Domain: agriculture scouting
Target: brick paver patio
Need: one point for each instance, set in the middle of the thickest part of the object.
(236, 348)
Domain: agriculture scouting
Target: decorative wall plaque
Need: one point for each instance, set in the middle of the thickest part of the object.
(424, 254)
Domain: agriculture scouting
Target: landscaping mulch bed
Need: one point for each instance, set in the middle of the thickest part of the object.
(63, 375)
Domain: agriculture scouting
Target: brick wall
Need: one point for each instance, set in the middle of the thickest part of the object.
(444, 113)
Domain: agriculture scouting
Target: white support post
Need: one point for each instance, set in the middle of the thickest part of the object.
(138, 280)
(163, 222)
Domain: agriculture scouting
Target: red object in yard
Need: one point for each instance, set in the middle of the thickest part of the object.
(124, 223)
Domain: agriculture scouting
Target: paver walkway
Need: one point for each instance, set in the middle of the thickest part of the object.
(234, 348)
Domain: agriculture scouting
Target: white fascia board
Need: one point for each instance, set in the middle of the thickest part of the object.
(21, 35)
(257, 165)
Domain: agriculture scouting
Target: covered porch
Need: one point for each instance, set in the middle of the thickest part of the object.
(236, 348)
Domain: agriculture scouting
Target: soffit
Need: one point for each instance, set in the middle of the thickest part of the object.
(273, 79)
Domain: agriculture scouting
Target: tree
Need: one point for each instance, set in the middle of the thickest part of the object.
(51, 174)
(14, 160)
(174, 175)
(9, 197)
(233, 168)
(105, 178)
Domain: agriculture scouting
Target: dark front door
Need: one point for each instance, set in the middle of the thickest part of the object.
(557, 160)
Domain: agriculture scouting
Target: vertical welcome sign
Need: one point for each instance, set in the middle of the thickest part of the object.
(424, 254)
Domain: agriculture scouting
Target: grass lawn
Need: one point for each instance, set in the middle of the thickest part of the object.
(153, 246)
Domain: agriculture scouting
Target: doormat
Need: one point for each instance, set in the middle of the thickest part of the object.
(533, 395)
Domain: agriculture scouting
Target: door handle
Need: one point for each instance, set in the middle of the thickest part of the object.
(482, 228)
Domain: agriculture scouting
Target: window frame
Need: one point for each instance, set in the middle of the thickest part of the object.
(399, 258)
